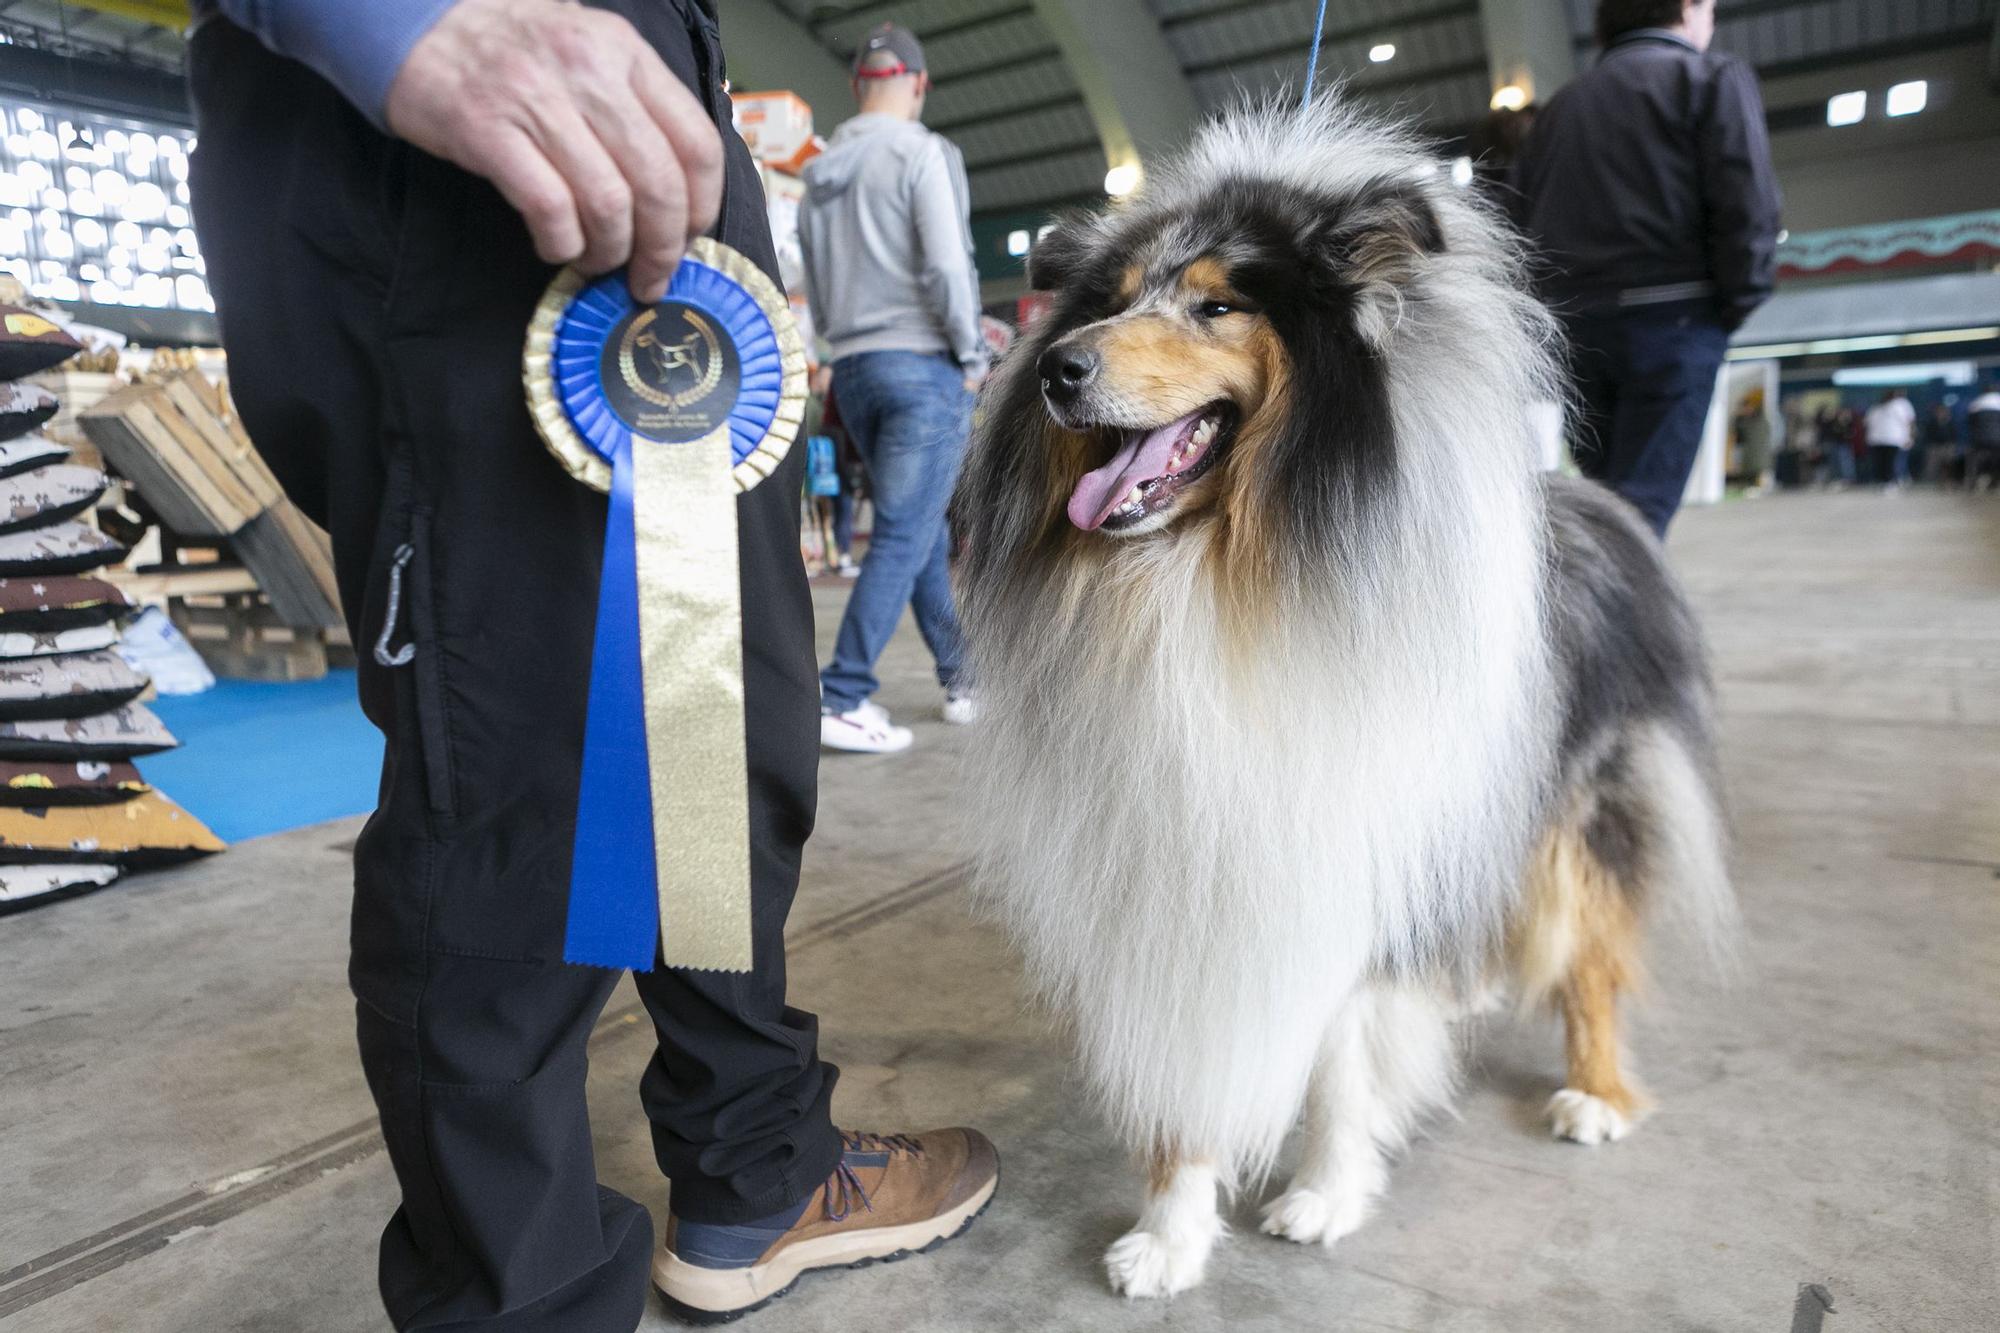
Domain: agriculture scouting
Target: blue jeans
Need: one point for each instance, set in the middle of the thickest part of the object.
(908, 414)
(1643, 380)
(843, 521)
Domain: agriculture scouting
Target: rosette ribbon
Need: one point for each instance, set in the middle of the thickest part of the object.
(673, 409)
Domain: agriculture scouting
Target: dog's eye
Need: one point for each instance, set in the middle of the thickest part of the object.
(1213, 310)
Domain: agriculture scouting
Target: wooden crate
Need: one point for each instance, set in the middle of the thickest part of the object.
(192, 464)
(291, 558)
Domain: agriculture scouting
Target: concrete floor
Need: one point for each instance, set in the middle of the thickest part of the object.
(187, 1143)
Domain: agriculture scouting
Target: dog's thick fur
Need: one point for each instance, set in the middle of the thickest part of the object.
(1273, 784)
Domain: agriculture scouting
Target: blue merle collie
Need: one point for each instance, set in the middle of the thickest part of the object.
(1314, 716)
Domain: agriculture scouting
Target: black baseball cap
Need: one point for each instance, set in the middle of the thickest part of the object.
(898, 41)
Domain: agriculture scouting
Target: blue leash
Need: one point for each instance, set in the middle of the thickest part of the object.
(1312, 62)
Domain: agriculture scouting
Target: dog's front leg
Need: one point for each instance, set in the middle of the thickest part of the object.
(1386, 1061)
(1168, 1250)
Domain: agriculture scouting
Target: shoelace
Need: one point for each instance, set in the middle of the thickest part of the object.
(845, 1186)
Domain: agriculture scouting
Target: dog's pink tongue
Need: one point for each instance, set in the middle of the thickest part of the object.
(1142, 459)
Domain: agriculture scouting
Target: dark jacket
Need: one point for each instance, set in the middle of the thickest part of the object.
(1648, 179)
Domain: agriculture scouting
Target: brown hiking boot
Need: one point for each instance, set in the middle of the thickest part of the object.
(890, 1196)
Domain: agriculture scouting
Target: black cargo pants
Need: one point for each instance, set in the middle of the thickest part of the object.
(374, 302)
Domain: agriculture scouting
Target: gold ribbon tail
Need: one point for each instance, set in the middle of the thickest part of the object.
(691, 645)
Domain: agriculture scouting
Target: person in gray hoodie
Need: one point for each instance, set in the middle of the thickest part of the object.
(893, 290)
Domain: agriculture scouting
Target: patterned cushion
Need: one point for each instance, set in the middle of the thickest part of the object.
(44, 643)
(69, 685)
(148, 830)
(122, 733)
(83, 782)
(22, 887)
(38, 603)
(31, 451)
(24, 407)
(47, 495)
(29, 343)
(60, 548)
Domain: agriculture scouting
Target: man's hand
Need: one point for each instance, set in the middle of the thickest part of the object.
(821, 382)
(972, 382)
(608, 157)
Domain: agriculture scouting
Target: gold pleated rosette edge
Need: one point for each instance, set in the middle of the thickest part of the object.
(552, 421)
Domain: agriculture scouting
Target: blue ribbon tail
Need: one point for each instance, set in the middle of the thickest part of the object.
(614, 906)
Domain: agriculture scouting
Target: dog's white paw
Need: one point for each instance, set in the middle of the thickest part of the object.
(1582, 1118)
(1147, 1264)
(1308, 1215)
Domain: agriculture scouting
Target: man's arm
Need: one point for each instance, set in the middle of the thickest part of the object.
(566, 110)
(357, 46)
(816, 351)
(950, 281)
(1740, 191)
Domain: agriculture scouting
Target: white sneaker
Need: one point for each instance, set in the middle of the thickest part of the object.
(863, 729)
(960, 708)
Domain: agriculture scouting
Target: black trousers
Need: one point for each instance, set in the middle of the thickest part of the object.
(374, 302)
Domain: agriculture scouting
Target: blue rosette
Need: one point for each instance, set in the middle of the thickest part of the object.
(672, 409)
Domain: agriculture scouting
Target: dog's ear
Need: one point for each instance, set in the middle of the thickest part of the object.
(1059, 254)
(1376, 247)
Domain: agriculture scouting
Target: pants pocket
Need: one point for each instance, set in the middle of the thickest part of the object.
(411, 608)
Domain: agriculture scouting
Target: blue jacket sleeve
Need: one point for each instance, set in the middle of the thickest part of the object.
(356, 45)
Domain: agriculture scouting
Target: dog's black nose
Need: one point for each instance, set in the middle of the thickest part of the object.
(1065, 370)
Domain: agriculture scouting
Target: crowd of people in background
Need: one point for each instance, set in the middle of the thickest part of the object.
(1890, 444)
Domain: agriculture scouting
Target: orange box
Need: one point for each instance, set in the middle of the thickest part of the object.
(777, 126)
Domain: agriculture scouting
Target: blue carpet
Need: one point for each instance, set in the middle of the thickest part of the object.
(259, 758)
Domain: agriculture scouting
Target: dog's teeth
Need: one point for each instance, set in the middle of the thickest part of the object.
(1134, 499)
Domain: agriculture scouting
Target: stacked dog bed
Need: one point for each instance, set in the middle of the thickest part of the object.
(74, 812)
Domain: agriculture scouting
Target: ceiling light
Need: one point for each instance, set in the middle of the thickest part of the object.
(1121, 180)
(1510, 97)
(1846, 108)
(1382, 52)
(1907, 99)
(1461, 171)
(1017, 243)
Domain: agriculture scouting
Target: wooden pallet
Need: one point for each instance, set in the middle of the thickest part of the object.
(243, 638)
(164, 585)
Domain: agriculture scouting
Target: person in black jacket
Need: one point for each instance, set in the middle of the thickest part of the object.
(1648, 189)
